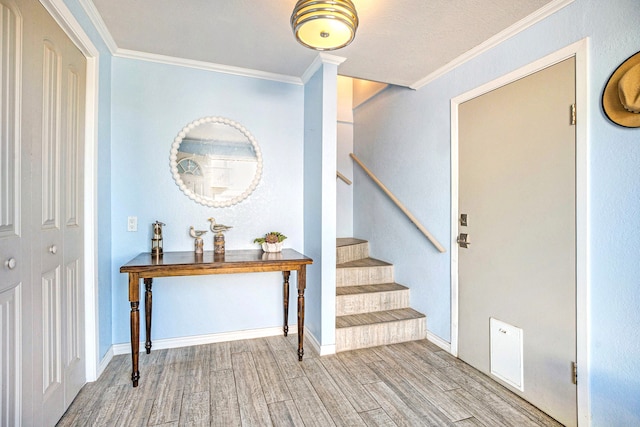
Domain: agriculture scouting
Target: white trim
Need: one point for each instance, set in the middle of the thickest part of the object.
(579, 50)
(178, 342)
(328, 58)
(105, 34)
(453, 240)
(65, 19)
(105, 362)
(207, 66)
(582, 230)
(99, 25)
(92, 330)
(63, 16)
(494, 41)
(323, 350)
(322, 58)
(439, 342)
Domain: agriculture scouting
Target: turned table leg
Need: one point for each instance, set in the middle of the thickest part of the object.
(286, 275)
(134, 299)
(148, 302)
(302, 283)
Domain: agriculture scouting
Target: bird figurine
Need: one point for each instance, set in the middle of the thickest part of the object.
(218, 237)
(196, 233)
(198, 243)
(218, 228)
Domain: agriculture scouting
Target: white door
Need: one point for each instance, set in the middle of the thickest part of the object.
(49, 203)
(517, 188)
(15, 254)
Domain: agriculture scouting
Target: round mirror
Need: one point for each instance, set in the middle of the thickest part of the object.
(216, 161)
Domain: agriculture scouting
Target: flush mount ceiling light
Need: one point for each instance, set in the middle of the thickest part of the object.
(324, 25)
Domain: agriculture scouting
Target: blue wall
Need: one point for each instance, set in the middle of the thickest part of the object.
(103, 152)
(151, 103)
(320, 151)
(404, 136)
(313, 197)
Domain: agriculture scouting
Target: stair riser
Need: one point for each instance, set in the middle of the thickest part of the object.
(364, 275)
(352, 252)
(366, 303)
(356, 337)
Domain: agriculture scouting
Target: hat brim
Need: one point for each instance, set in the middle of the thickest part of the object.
(611, 104)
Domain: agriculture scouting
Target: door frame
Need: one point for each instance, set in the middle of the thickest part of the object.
(579, 50)
(67, 21)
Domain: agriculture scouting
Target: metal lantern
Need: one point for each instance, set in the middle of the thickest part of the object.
(156, 240)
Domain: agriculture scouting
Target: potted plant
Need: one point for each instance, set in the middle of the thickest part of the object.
(271, 242)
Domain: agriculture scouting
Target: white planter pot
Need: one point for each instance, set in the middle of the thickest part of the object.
(272, 247)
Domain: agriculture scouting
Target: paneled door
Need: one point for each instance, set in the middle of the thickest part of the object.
(15, 246)
(517, 277)
(43, 207)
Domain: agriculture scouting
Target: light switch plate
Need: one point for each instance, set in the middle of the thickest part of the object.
(132, 223)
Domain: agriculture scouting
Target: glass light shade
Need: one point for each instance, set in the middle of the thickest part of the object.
(156, 246)
(324, 25)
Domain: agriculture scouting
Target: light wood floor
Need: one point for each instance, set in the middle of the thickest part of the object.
(261, 383)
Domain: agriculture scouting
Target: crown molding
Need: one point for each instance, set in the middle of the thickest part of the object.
(507, 33)
(321, 59)
(207, 66)
(98, 23)
(103, 31)
(327, 58)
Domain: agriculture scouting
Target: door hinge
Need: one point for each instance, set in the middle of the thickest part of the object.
(574, 372)
(463, 240)
(573, 114)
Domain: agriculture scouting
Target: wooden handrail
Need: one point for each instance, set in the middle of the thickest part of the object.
(344, 178)
(400, 205)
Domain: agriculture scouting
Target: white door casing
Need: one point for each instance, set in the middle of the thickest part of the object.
(577, 50)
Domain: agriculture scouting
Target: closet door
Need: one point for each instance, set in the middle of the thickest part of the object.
(14, 234)
(52, 131)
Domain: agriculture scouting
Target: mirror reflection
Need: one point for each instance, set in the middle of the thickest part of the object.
(216, 161)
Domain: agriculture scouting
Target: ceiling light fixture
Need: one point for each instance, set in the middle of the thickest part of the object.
(324, 25)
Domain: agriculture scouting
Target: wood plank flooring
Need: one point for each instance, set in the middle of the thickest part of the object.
(261, 383)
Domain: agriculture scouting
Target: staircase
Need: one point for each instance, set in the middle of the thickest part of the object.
(371, 309)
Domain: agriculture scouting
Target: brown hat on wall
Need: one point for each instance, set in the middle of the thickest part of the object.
(621, 96)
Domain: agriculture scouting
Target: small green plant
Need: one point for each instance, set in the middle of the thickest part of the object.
(271, 237)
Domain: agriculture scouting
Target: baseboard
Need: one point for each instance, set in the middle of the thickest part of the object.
(327, 350)
(105, 361)
(446, 346)
(161, 344)
(323, 350)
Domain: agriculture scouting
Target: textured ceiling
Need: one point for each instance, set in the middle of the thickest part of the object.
(398, 41)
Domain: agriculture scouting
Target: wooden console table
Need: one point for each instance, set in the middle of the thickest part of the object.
(145, 266)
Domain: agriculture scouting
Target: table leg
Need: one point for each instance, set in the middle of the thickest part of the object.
(135, 338)
(148, 302)
(302, 284)
(286, 275)
(134, 299)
